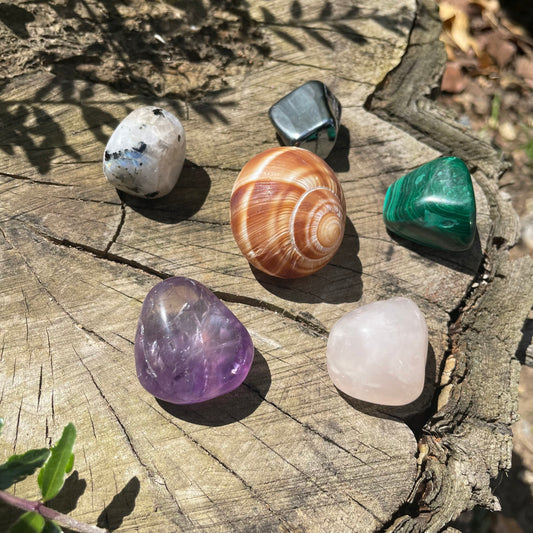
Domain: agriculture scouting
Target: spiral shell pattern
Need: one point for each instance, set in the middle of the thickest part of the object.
(287, 212)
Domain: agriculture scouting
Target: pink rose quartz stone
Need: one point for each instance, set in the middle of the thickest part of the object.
(377, 353)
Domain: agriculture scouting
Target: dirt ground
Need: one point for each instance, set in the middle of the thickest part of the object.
(174, 48)
(488, 83)
(185, 49)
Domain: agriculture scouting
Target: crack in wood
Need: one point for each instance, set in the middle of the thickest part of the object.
(309, 478)
(32, 180)
(27, 311)
(311, 325)
(217, 167)
(50, 354)
(314, 431)
(216, 223)
(90, 414)
(52, 406)
(54, 299)
(129, 441)
(88, 200)
(40, 388)
(118, 229)
(119, 292)
(226, 467)
(114, 413)
(174, 499)
(90, 477)
(17, 425)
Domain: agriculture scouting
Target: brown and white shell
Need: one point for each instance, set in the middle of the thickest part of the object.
(287, 212)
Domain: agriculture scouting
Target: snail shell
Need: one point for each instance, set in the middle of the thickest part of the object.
(287, 212)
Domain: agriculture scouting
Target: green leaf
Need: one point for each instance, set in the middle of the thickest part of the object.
(51, 527)
(30, 522)
(52, 474)
(17, 467)
(1, 425)
(70, 464)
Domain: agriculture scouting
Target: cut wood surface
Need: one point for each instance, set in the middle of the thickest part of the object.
(286, 451)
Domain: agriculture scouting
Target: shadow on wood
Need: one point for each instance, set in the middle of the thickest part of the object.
(338, 160)
(185, 199)
(515, 494)
(414, 414)
(67, 499)
(467, 262)
(120, 506)
(522, 353)
(339, 281)
(16, 18)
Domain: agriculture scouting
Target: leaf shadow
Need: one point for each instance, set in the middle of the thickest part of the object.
(105, 33)
(8, 515)
(67, 498)
(16, 18)
(34, 130)
(194, 36)
(120, 506)
(65, 502)
(96, 119)
(339, 20)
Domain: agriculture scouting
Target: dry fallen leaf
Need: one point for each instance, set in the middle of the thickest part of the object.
(453, 79)
(524, 68)
(488, 5)
(499, 48)
(508, 131)
(457, 26)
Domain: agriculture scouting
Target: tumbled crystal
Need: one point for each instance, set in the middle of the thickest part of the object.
(189, 346)
(434, 205)
(377, 353)
(145, 154)
(308, 117)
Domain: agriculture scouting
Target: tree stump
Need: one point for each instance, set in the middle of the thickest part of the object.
(285, 451)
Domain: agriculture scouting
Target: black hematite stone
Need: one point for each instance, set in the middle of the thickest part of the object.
(308, 117)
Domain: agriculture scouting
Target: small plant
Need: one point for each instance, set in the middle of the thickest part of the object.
(53, 463)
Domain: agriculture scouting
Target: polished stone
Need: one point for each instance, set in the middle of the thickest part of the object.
(434, 205)
(308, 117)
(377, 352)
(145, 154)
(189, 346)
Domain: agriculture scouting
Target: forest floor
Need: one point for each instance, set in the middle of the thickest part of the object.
(488, 83)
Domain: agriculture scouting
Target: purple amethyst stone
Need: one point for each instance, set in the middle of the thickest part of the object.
(189, 346)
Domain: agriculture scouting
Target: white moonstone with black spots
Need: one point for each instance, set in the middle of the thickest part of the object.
(145, 154)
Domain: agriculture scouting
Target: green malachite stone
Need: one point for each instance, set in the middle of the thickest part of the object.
(434, 205)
